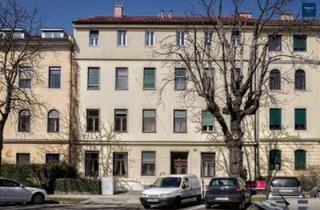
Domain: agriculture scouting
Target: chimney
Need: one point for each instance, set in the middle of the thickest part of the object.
(161, 13)
(286, 16)
(170, 13)
(245, 15)
(118, 10)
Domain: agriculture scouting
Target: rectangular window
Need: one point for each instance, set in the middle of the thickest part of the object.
(54, 77)
(235, 38)
(207, 164)
(120, 164)
(121, 78)
(92, 164)
(180, 38)
(92, 120)
(149, 121)
(52, 158)
(149, 78)
(148, 164)
(208, 38)
(179, 162)
(275, 42)
(300, 160)
(208, 79)
(180, 121)
(299, 42)
(180, 79)
(149, 38)
(93, 78)
(122, 38)
(120, 119)
(275, 119)
(22, 158)
(25, 77)
(300, 119)
(24, 121)
(275, 160)
(94, 38)
(207, 121)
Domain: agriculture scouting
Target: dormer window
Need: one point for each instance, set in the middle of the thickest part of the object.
(18, 35)
(52, 33)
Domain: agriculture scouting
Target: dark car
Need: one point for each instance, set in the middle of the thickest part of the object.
(227, 191)
(284, 187)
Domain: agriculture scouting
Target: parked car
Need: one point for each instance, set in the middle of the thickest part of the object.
(12, 191)
(286, 187)
(227, 191)
(315, 192)
(172, 191)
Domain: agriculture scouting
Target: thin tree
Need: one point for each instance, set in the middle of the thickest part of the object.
(227, 63)
(20, 52)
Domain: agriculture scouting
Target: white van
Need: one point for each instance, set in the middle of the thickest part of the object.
(172, 190)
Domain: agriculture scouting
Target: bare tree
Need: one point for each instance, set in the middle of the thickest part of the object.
(228, 67)
(20, 52)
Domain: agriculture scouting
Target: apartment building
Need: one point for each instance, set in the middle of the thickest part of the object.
(136, 122)
(42, 135)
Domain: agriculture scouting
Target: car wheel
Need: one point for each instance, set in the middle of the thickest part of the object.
(177, 202)
(146, 206)
(199, 199)
(208, 206)
(37, 198)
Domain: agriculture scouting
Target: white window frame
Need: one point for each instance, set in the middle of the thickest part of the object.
(122, 34)
(149, 38)
(181, 38)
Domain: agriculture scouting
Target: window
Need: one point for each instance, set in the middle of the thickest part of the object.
(208, 79)
(149, 38)
(93, 78)
(149, 78)
(207, 164)
(120, 164)
(120, 118)
(300, 119)
(25, 77)
(180, 80)
(180, 38)
(92, 120)
(121, 78)
(94, 38)
(299, 42)
(275, 119)
(274, 42)
(92, 164)
(53, 121)
(300, 80)
(24, 121)
(122, 38)
(208, 38)
(149, 121)
(9, 183)
(54, 77)
(22, 158)
(207, 121)
(52, 158)
(275, 80)
(300, 160)
(148, 163)
(275, 160)
(180, 121)
(179, 162)
(52, 34)
(235, 38)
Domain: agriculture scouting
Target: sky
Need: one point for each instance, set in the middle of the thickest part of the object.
(60, 13)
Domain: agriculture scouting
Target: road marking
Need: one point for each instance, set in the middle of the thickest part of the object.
(195, 207)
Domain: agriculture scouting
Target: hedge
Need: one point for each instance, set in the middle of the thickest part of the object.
(39, 175)
(79, 185)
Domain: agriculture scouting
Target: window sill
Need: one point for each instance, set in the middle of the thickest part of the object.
(122, 89)
(93, 131)
(149, 89)
(93, 88)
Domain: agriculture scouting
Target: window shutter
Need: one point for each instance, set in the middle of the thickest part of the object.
(148, 157)
(180, 114)
(207, 118)
(93, 77)
(275, 116)
(149, 76)
(300, 116)
(299, 42)
(300, 159)
(149, 113)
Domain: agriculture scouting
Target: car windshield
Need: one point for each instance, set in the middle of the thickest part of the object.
(167, 182)
(285, 182)
(223, 182)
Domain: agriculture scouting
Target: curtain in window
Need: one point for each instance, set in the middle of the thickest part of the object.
(53, 121)
(180, 121)
(208, 165)
(149, 121)
(120, 164)
(180, 79)
(93, 78)
(148, 163)
(121, 78)
(149, 78)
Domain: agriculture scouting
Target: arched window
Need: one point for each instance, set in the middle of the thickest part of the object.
(275, 160)
(24, 120)
(275, 79)
(299, 159)
(53, 121)
(300, 80)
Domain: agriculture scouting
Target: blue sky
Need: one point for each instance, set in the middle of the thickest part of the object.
(60, 13)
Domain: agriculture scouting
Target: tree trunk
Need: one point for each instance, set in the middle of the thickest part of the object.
(1, 147)
(235, 158)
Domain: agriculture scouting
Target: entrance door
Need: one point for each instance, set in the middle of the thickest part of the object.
(179, 162)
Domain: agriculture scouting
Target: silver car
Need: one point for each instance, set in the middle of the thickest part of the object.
(14, 192)
(285, 187)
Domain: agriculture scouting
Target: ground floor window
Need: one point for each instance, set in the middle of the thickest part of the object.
(207, 164)
(179, 162)
(52, 158)
(275, 159)
(92, 164)
(120, 164)
(300, 159)
(22, 158)
(148, 163)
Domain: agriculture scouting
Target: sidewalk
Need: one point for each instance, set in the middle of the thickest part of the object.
(131, 197)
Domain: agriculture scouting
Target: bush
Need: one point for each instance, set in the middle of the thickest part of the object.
(79, 185)
(39, 175)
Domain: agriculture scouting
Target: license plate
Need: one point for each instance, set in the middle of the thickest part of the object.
(221, 198)
(153, 200)
(285, 190)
